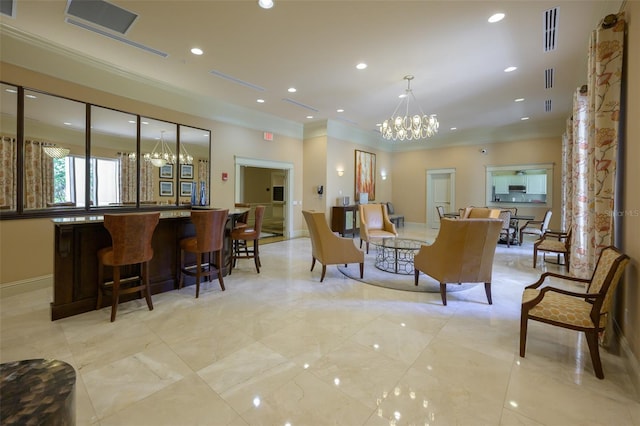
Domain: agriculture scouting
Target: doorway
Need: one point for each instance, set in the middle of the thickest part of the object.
(441, 191)
(266, 183)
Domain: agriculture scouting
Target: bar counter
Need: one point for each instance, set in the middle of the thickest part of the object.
(78, 239)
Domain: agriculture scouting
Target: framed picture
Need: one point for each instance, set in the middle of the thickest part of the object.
(166, 189)
(186, 171)
(186, 188)
(166, 171)
(365, 175)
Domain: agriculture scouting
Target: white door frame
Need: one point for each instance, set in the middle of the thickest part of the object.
(430, 207)
(288, 179)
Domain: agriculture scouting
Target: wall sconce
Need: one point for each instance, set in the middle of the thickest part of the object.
(383, 174)
(340, 172)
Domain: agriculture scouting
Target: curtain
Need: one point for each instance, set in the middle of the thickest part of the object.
(128, 184)
(203, 178)
(592, 148)
(8, 152)
(38, 175)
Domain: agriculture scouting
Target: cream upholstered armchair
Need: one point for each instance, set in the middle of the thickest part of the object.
(327, 247)
(375, 223)
(536, 227)
(462, 253)
(585, 311)
(480, 213)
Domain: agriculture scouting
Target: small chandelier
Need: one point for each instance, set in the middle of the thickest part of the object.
(163, 156)
(185, 157)
(55, 151)
(408, 127)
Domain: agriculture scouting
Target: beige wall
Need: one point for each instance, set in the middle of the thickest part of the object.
(409, 174)
(628, 300)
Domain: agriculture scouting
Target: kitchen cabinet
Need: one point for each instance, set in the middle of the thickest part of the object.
(501, 184)
(536, 184)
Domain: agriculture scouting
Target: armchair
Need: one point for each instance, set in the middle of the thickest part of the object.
(375, 223)
(582, 311)
(327, 247)
(480, 213)
(508, 230)
(394, 217)
(462, 253)
(553, 242)
(536, 227)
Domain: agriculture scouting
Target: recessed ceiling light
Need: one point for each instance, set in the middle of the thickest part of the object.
(454, 128)
(66, 123)
(265, 4)
(309, 116)
(340, 110)
(361, 66)
(292, 90)
(145, 122)
(260, 101)
(497, 17)
(31, 96)
(132, 121)
(510, 69)
(518, 100)
(524, 118)
(197, 51)
(11, 90)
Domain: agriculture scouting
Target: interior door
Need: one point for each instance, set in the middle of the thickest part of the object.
(440, 192)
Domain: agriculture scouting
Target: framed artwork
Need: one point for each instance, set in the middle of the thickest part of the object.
(186, 188)
(166, 171)
(166, 189)
(365, 175)
(186, 171)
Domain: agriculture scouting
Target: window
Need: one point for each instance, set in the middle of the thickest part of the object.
(69, 181)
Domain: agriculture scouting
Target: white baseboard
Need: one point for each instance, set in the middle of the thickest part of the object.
(24, 286)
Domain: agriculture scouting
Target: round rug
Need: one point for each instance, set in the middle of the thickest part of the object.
(375, 276)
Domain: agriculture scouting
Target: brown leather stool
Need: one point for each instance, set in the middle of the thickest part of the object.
(243, 235)
(209, 238)
(131, 245)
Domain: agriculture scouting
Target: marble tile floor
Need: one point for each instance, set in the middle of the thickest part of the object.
(281, 348)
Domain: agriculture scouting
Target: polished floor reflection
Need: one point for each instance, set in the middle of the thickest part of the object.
(281, 348)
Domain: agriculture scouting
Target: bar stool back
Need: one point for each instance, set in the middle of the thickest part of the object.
(131, 245)
(242, 235)
(209, 238)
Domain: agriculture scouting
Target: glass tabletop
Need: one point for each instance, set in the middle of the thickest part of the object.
(398, 243)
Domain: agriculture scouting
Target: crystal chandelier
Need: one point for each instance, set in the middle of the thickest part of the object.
(409, 127)
(55, 151)
(185, 157)
(162, 156)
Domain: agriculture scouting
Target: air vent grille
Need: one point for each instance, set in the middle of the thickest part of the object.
(116, 37)
(548, 78)
(8, 7)
(550, 29)
(237, 80)
(102, 13)
(547, 105)
(300, 104)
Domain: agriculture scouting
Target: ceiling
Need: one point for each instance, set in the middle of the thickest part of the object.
(455, 55)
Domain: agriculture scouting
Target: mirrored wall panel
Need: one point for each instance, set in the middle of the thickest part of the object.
(159, 163)
(8, 150)
(54, 152)
(194, 165)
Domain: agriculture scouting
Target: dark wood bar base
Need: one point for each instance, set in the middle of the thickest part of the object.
(76, 263)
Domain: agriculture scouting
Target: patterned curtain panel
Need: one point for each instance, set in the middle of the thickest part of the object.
(127, 179)
(38, 176)
(8, 152)
(594, 147)
(147, 190)
(567, 172)
(203, 177)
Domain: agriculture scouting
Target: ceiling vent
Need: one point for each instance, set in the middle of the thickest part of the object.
(8, 7)
(116, 37)
(550, 29)
(102, 13)
(237, 80)
(301, 105)
(548, 78)
(547, 105)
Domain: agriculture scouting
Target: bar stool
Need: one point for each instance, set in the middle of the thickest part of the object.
(209, 238)
(243, 235)
(131, 245)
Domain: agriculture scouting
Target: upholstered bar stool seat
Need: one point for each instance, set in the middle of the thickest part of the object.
(209, 239)
(131, 245)
(241, 236)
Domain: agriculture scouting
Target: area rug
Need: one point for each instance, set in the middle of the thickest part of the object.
(375, 276)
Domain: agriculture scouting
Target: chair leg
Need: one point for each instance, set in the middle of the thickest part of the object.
(367, 245)
(256, 254)
(198, 273)
(145, 279)
(592, 341)
(115, 296)
(416, 274)
(523, 332)
(313, 263)
(443, 293)
(535, 257)
(487, 290)
(100, 284)
(219, 262)
(181, 266)
(362, 270)
(324, 271)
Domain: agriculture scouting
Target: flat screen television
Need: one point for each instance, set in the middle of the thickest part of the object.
(277, 193)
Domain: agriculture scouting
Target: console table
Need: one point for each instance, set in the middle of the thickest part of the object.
(343, 219)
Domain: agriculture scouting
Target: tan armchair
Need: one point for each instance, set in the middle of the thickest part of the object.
(480, 213)
(375, 223)
(327, 247)
(585, 311)
(536, 227)
(462, 253)
(553, 242)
